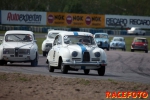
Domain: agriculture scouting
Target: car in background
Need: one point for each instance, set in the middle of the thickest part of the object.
(47, 43)
(136, 31)
(139, 44)
(19, 46)
(102, 40)
(118, 43)
(76, 51)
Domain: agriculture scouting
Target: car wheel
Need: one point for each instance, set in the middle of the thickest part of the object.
(146, 51)
(1, 62)
(101, 71)
(86, 71)
(64, 68)
(108, 49)
(44, 53)
(50, 68)
(132, 50)
(34, 62)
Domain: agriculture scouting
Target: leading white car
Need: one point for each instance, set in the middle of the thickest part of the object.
(47, 43)
(19, 46)
(75, 51)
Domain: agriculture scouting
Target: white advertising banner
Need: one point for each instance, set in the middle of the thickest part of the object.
(127, 21)
(23, 17)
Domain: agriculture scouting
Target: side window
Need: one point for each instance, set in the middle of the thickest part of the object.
(55, 41)
(59, 40)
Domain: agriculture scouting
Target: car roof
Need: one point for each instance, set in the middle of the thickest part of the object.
(56, 31)
(19, 32)
(118, 37)
(76, 33)
(139, 38)
(101, 33)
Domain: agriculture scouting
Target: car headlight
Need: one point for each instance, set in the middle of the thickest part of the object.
(74, 53)
(97, 54)
(5, 51)
(27, 51)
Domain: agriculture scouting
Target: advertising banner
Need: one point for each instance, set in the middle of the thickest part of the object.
(23, 17)
(56, 19)
(97, 21)
(127, 21)
(75, 20)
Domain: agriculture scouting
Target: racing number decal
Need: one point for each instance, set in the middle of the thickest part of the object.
(54, 55)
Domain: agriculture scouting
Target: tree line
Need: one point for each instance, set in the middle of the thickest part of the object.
(113, 7)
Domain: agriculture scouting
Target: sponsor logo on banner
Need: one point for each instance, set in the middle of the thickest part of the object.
(55, 19)
(50, 19)
(23, 17)
(88, 20)
(69, 19)
(127, 21)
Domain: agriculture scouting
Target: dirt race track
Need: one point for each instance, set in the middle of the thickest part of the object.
(126, 71)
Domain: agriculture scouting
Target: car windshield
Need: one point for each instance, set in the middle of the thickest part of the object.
(18, 37)
(118, 39)
(141, 40)
(101, 36)
(72, 39)
(52, 35)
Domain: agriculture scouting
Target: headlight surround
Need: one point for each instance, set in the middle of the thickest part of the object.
(5, 51)
(27, 51)
(97, 54)
(74, 54)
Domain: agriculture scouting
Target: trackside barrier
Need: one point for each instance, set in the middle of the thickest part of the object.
(123, 32)
(93, 31)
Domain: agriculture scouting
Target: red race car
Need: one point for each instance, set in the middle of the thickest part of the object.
(139, 44)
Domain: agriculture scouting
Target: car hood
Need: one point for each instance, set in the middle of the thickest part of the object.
(119, 42)
(81, 48)
(101, 39)
(18, 45)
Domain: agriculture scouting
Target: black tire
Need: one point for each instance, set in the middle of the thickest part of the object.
(108, 49)
(44, 53)
(1, 62)
(34, 62)
(86, 71)
(50, 68)
(146, 51)
(64, 68)
(132, 50)
(101, 71)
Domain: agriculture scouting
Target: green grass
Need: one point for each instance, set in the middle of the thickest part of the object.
(39, 43)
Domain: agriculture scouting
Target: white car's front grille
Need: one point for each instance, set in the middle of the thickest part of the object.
(86, 56)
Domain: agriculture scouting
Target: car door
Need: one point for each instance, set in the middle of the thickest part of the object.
(57, 50)
(53, 52)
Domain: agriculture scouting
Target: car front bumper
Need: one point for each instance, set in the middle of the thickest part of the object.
(17, 59)
(74, 63)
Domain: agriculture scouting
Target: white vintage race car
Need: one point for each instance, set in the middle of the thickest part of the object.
(47, 43)
(74, 51)
(19, 46)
